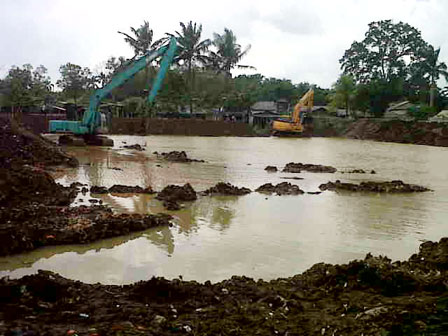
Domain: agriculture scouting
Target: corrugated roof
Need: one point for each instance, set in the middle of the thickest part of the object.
(264, 106)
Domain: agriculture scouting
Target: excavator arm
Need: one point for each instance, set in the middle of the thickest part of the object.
(306, 101)
(91, 120)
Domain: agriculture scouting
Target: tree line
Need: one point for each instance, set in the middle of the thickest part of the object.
(391, 63)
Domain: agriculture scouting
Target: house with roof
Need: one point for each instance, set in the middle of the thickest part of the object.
(399, 111)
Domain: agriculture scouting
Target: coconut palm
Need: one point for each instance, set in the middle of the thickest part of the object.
(141, 42)
(191, 51)
(228, 53)
(435, 70)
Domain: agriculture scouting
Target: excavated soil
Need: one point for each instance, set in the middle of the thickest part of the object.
(421, 133)
(271, 169)
(298, 167)
(284, 188)
(135, 147)
(29, 227)
(176, 156)
(382, 187)
(172, 194)
(222, 188)
(365, 297)
(121, 189)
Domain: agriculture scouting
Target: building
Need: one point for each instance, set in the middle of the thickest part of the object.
(399, 111)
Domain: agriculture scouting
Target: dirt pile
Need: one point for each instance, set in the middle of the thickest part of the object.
(21, 185)
(121, 189)
(222, 188)
(19, 146)
(396, 186)
(135, 147)
(372, 297)
(176, 156)
(421, 133)
(29, 227)
(284, 188)
(271, 169)
(298, 167)
(171, 195)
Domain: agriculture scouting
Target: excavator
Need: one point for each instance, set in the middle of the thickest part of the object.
(296, 125)
(87, 130)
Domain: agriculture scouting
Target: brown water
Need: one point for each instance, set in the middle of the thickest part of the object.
(254, 235)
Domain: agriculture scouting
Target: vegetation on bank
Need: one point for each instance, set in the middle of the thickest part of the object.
(392, 63)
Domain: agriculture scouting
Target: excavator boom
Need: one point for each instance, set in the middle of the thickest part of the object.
(294, 126)
(91, 120)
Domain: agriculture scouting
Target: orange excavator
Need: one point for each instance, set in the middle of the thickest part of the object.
(297, 124)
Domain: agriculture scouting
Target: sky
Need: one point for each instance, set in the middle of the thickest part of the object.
(290, 39)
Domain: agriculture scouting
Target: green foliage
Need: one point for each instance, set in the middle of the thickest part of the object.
(228, 53)
(388, 51)
(142, 39)
(422, 112)
(344, 92)
(75, 80)
(26, 86)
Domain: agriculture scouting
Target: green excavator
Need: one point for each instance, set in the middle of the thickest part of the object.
(87, 131)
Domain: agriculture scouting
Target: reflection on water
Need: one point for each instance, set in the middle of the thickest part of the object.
(261, 236)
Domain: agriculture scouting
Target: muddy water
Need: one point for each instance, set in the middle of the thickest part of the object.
(255, 235)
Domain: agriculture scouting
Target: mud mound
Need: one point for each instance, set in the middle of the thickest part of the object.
(298, 167)
(358, 171)
(284, 188)
(372, 297)
(21, 185)
(20, 146)
(29, 227)
(98, 190)
(135, 147)
(123, 189)
(382, 187)
(222, 188)
(176, 193)
(176, 156)
(271, 169)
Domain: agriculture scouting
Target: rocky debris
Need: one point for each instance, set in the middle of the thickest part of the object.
(271, 169)
(98, 190)
(396, 186)
(172, 194)
(284, 188)
(176, 156)
(29, 227)
(373, 296)
(123, 189)
(298, 167)
(135, 146)
(222, 188)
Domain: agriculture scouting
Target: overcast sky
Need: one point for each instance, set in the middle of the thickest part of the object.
(291, 39)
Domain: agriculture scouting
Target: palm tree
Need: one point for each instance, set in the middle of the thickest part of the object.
(191, 50)
(142, 39)
(435, 69)
(228, 54)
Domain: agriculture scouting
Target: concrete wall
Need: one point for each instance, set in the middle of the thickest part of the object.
(179, 127)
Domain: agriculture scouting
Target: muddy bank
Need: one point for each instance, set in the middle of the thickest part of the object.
(222, 188)
(372, 297)
(284, 188)
(314, 168)
(381, 187)
(33, 226)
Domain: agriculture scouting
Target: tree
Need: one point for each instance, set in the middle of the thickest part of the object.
(388, 51)
(142, 39)
(344, 90)
(434, 69)
(228, 53)
(25, 86)
(191, 50)
(75, 80)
